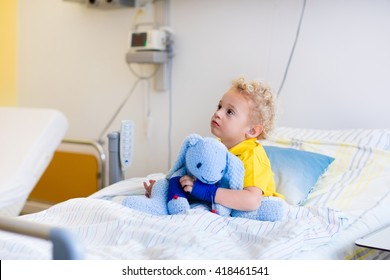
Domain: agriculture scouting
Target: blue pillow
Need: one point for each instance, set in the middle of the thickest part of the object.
(296, 172)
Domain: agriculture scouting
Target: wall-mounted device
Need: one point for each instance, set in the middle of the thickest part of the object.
(148, 47)
(153, 46)
(151, 40)
(147, 57)
(108, 4)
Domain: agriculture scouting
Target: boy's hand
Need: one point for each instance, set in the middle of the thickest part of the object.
(187, 183)
(148, 188)
(198, 189)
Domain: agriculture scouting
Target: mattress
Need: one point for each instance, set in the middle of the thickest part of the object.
(28, 139)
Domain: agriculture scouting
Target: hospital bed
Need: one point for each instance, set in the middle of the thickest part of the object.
(28, 139)
(331, 203)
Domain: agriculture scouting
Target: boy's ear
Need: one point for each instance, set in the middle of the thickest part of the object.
(254, 131)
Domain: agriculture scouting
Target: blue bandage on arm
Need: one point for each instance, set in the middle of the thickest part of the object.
(203, 191)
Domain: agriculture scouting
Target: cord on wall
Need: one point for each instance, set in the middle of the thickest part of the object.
(102, 134)
(170, 64)
(292, 49)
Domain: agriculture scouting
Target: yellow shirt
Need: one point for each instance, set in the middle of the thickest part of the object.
(258, 172)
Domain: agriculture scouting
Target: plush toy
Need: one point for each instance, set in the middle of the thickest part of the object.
(272, 209)
(156, 204)
(209, 161)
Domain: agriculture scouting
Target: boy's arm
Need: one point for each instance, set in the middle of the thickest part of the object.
(248, 199)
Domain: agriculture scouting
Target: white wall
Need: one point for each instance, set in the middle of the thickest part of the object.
(339, 76)
(71, 57)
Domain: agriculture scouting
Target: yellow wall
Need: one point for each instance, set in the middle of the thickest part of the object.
(8, 12)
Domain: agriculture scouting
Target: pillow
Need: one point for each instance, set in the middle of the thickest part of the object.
(296, 172)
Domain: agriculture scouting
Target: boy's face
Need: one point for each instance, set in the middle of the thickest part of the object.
(231, 122)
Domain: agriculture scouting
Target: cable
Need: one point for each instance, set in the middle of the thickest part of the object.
(139, 12)
(171, 54)
(293, 48)
(101, 141)
(169, 112)
(143, 77)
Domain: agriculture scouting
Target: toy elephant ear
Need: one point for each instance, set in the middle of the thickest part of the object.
(189, 141)
(233, 177)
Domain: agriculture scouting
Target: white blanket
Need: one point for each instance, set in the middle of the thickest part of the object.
(111, 231)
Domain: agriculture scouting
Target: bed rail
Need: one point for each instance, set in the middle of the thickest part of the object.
(65, 245)
(100, 151)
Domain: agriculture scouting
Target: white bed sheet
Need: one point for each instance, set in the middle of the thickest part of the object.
(28, 139)
(350, 200)
(111, 231)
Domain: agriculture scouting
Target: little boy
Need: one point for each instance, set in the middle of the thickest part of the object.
(245, 114)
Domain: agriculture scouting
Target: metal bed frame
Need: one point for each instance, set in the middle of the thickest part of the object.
(101, 156)
(65, 245)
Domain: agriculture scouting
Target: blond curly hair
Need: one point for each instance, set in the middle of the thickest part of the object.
(263, 110)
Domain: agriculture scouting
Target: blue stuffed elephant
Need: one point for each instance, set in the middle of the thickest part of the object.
(209, 161)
